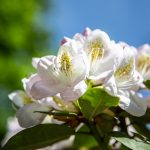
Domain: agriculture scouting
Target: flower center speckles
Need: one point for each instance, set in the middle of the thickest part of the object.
(144, 63)
(96, 50)
(65, 63)
(124, 71)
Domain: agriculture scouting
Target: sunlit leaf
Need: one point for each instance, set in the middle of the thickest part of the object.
(131, 143)
(95, 100)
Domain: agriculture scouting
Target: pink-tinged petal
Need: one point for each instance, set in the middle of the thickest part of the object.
(71, 94)
(79, 38)
(86, 32)
(45, 88)
(28, 82)
(64, 40)
(28, 117)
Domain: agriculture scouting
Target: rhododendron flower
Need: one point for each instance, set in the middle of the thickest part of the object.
(144, 61)
(63, 74)
(27, 113)
(123, 81)
(100, 51)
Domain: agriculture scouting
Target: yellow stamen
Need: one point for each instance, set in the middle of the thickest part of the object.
(124, 71)
(65, 62)
(96, 50)
(144, 63)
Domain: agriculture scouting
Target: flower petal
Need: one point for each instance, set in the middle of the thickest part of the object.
(133, 103)
(27, 117)
(70, 94)
(45, 67)
(50, 102)
(19, 98)
(28, 83)
(35, 62)
(100, 79)
(45, 88)
(110, 86)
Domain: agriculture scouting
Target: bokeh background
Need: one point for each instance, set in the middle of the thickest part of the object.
(33, 28)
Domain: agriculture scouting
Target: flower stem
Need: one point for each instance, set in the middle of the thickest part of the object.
(97, 136)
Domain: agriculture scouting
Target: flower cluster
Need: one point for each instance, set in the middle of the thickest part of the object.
(88, 58)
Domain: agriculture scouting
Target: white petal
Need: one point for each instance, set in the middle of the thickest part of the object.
(45, 88)
(100, 79)
(80, 67)
(144, 49)
(133, 104)
(70, 94)
(19, 98)
(100, 35)
(79, 37)
(110, 86)
(133, 82)
(77, 62)
(124, 99)
(50, 102)
(35, 62)
(28, 83)
(46, 68)
(138, 104)
(27, 116)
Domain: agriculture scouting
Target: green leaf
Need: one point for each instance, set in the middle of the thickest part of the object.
(39, 136)
(95, 100)
(147, 84)
(84, 139)
(131, 143)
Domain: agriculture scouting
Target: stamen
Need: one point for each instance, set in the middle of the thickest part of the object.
(124, 71)
(144, 63)
(65, 63)
(96, 50)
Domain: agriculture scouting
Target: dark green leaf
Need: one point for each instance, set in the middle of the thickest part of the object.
(147, 84)
(95, 100)
(39, 136)
(141, 126)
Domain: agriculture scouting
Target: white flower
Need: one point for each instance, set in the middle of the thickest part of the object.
(28, 114)
(63, 74)
(19, 98)
(144, 61)
(100, 51)
(123, 81)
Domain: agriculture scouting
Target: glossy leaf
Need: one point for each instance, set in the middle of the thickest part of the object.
(147, 84)
(95, 100)
(39, 136)
(131, 143)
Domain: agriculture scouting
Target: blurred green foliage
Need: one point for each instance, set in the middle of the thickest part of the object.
(22, 36)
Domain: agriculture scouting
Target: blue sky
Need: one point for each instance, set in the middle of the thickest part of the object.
(123, 20)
